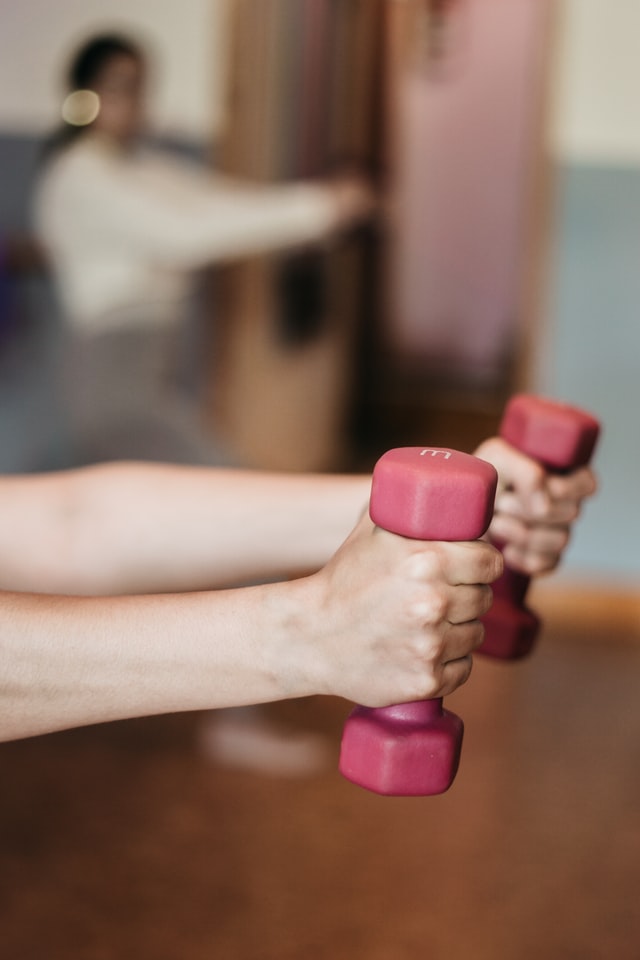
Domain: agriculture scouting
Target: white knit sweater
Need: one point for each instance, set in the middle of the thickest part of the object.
(123, 231)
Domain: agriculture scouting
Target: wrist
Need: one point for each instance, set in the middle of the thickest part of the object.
(296, 656)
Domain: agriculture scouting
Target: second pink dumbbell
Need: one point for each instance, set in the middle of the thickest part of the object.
(413, 749)
(561, 438)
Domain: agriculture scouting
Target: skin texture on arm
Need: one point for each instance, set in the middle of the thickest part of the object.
(141, 528)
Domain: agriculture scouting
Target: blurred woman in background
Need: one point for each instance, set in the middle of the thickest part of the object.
(125, 228)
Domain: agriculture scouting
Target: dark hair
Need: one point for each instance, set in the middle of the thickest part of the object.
(86, 66)
(94, 55)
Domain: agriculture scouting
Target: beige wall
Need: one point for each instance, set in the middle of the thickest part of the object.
(187, 36)
(596, 108)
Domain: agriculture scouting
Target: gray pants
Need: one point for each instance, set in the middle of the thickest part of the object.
(124, 401)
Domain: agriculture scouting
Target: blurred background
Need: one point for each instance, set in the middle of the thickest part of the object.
(503, 140)
(514, 150)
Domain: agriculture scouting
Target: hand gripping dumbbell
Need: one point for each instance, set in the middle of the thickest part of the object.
(561, 438)
(413, 749)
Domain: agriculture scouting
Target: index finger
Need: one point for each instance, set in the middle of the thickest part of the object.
(471, 562)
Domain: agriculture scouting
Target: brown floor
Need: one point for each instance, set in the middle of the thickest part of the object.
(121, 842)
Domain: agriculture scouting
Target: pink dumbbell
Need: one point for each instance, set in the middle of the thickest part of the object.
(413, 749)
(561, 438)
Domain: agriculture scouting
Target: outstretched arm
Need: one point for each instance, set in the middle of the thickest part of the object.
(173, 215)
(140, 528)
(134, 528)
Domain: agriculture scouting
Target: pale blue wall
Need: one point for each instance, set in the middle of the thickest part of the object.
(592, 356)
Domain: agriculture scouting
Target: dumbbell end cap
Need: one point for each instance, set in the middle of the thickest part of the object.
(556, 434)
(394, 756)
(432, 493)
(510, 631)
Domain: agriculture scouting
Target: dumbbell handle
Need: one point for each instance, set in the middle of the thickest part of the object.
(561, 438)
(512, 585)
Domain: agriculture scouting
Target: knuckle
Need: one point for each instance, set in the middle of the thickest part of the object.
(458, 675)
(424, 565)
(437, 606)
(466, 667)
(423, 687)
(426, 649)
(429, 608)
(420, 650)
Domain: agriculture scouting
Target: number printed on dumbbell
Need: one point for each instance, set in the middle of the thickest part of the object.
(435, 453)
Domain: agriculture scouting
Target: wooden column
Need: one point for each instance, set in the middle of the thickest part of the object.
(301, 87)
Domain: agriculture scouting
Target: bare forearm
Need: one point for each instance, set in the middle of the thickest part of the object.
(387, 619)
(148, 528)
(69, 661)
